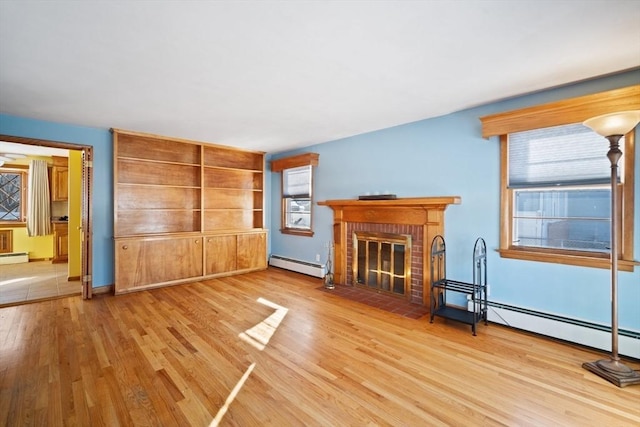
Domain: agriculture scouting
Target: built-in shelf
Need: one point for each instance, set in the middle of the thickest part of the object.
(169, 195)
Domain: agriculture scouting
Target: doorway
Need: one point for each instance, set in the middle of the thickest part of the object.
(45, 278)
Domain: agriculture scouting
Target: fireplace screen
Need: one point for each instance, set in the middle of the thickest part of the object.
(382, 262)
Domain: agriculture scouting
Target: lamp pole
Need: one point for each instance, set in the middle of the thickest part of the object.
(613, 127)
(614, 155)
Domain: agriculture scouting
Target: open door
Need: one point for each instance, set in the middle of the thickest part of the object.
(86, 210)
(85, 224)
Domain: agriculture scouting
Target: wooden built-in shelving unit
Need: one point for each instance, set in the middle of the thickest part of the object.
(185, 210)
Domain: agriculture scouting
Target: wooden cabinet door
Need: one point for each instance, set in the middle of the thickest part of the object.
(60, 184)
(220, 254)
(155, 261)
(252, 251)
(60, 243)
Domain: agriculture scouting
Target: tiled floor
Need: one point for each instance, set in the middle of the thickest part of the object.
(390, 303)
(35, 281)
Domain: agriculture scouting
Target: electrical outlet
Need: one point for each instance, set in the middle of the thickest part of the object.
(317, 257)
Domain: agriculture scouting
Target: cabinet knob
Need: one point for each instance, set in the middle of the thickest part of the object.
(197, 241)
(125, 247)
(208, 240)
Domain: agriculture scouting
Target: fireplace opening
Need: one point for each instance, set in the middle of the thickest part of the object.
(382, 262)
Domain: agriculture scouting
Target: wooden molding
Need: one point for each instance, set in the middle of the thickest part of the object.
(305, 159)
(627, 201)
(297, 232)
(567, 111)
(403, 202)
(555, 258)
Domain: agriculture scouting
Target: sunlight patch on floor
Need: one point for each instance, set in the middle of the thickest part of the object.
(259, 335)
(19, 279)
(231, 397)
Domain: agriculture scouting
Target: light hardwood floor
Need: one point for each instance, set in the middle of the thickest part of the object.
(272, 349)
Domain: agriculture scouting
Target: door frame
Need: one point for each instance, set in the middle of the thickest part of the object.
(86, 209)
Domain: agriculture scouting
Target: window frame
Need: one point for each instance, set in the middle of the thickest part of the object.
(288, 199)
(280, 165)
(574, 110)
(17, 169)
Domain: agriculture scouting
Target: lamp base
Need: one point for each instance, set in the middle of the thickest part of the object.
(613, 371)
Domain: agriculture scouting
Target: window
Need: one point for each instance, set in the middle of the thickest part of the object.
(297, 192)
(296, 196)
(560, 181)
(13, 187)
(574, 218)
(555, 178)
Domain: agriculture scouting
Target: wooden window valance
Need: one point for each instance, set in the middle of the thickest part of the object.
(306, 159)
(567, 111)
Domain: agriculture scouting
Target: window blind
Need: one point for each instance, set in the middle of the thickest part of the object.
(296, 182)
(565, 155)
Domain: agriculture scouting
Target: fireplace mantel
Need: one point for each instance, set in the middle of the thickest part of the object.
(427, 212)
(406, 201)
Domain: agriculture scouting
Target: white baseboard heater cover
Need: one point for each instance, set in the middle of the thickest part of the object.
(14, 258)
(304, 267)
(588, 334)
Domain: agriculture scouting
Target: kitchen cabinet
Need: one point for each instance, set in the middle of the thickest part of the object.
(60, 242)
(60, 179)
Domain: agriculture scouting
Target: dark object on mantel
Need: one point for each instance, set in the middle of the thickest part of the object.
(378, 197)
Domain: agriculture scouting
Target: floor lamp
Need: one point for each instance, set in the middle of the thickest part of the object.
(613, 127)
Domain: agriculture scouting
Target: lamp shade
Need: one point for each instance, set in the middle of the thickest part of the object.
(614, 123)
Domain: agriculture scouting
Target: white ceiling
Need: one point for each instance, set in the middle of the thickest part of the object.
(31, 150)
(273, 75)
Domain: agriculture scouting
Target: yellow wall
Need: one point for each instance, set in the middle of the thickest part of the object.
(75, 213)
(40, 247)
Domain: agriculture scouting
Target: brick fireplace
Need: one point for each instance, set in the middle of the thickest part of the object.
(421, 218)
(414, 293)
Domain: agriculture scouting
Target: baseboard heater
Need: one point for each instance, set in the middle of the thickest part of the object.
(585, 333)
(304, 267)
(14, 258)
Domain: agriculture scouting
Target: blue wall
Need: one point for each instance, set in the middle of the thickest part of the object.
(440, 156)
(102, 196)
(446, 156)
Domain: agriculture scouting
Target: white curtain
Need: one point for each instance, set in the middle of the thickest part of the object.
(39, 206)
